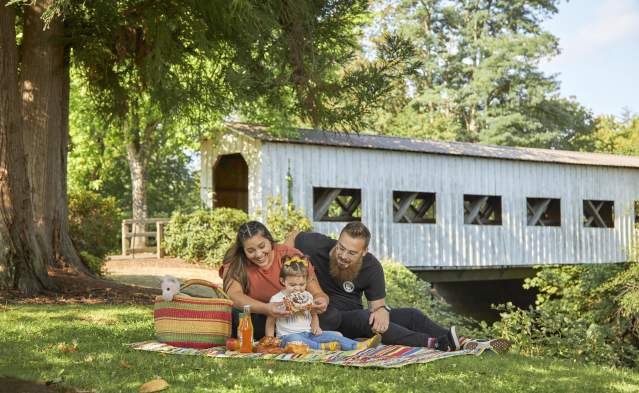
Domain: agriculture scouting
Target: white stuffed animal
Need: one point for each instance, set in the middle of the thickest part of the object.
(170, 287)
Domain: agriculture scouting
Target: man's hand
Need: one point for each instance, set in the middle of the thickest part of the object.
(319, 305)
(379, 320)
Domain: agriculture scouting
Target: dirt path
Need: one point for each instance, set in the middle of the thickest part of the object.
(146, 270)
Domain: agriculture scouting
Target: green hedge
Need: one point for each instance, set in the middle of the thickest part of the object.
(94, 226)
(206, 235)
(203, 235)
(588, 313)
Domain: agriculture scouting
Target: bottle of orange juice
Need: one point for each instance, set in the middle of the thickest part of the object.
(246, 331)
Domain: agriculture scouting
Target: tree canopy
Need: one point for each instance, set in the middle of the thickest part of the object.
(478, 78)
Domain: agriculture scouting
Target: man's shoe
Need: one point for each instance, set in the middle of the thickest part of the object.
(448, 342)
(454, 339)
(497, 345)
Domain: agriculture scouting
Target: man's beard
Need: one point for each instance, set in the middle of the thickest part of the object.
(342, 275)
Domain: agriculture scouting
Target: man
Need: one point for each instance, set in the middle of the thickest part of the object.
(345, 270)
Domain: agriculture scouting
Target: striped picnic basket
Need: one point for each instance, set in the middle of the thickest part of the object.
(194, 322)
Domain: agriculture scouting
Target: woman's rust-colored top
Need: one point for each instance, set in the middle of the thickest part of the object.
(263, 284)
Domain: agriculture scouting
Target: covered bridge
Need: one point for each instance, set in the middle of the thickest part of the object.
(435, 205)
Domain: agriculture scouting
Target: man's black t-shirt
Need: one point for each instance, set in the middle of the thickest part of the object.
(369, 281)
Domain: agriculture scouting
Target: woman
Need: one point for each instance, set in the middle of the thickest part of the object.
(251, 275)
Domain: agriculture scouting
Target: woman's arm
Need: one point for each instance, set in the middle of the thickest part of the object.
(240, 299)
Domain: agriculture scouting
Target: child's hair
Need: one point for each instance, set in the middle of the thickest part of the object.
(294, 266)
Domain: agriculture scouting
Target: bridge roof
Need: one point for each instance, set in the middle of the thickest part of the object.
(413, 145)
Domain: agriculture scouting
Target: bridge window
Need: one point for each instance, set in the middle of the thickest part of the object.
(543, 212)
(414, 207)
(337, 204)
(482, 209)
(599, 214)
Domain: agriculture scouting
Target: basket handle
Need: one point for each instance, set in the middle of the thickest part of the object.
(196, 281)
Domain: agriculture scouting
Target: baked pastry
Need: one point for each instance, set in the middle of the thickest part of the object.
(297, 348)
(298, 302)
(270, 350)
(269, 341)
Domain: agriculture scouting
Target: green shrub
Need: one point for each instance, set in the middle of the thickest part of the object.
(94, 226)
(204, 235)
(281, 220)
(94, 263)
(405, 289)
(585, 313)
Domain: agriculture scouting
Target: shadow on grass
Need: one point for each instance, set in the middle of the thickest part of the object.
(85, 345)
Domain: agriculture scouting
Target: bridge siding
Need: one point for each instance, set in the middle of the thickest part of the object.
(449, 243)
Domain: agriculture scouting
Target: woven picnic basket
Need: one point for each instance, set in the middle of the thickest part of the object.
(193, 322)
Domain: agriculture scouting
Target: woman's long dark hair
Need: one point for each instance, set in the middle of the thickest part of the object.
(235, 259)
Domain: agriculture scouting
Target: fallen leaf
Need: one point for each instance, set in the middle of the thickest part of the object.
(154, 385)
(124, 364)
(53, 381)
(64, 347)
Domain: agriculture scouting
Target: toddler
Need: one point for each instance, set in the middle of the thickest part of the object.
(303, 324)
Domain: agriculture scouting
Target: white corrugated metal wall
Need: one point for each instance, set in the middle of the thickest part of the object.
(450, 243)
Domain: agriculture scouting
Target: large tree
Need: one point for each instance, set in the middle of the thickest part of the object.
(44, 80)
(22, 263)
(149, 64)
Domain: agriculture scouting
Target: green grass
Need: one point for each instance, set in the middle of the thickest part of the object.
(35, 343)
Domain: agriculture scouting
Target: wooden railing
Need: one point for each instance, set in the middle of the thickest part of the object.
(129, 232)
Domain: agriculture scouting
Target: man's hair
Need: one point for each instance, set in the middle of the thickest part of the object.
(357, 230)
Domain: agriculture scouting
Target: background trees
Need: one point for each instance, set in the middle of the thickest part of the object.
(478, 78)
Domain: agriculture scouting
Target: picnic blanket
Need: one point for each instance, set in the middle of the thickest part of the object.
(384, 356)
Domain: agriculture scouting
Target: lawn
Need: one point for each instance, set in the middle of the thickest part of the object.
(83, 346)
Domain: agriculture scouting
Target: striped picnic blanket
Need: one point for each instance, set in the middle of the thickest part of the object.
(384, 356)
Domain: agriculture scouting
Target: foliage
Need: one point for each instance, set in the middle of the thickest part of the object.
(94, 263)
(478, 78)
(617, 136)
(74, 338)
(98, 161)
(585, 313)
(405, 289)
(282, 220)
(94, 226)
(204, 235)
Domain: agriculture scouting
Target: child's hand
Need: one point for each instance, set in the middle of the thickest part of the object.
(315, 329)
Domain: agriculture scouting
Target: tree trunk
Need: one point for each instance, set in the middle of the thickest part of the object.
(22, 265)
(137, 166)
(45, 111)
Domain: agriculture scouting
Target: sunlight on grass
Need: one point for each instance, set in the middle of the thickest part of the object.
(624, 387)
(86, 346)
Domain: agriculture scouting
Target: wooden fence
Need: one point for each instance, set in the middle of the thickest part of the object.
(129, 232)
